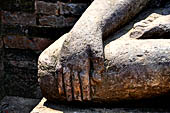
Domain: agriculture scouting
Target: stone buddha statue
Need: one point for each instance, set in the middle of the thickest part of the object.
(117, 50)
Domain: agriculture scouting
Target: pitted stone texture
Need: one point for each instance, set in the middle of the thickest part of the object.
(135, 69)
(158, 26)
(87, 44)
(140, 24)
(47, 68)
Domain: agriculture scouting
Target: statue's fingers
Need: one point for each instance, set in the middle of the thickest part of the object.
(84, 79)
(76, 86)
(67, 83)
(60, 82)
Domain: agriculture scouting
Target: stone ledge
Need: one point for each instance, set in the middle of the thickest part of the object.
(12, 104)
(47, 107)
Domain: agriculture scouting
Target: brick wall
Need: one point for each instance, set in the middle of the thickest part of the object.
(27, 27)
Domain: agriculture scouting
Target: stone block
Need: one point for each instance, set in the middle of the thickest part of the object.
(12, 104)
(42, 7)
(24, 42)
(57, 21)
(17, 5)
(18, 18)
(72, 8)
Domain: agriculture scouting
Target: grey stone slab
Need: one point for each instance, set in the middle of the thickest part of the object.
(12, 104)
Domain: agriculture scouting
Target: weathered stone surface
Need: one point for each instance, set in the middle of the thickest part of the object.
(46, 8)
(137, 68)
(84, 45)
(18, 18)
(134, 69)
(141, 22)
(154, 26)
(11, 104)
(72, 8)
(57, 21)
(24, 42)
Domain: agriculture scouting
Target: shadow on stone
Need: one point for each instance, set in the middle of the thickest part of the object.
(155, 104)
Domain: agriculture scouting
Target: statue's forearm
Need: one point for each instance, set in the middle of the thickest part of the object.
(106, 16)
(102, 18)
